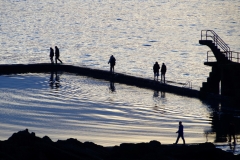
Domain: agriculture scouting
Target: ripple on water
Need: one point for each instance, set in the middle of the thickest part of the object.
(87, 106)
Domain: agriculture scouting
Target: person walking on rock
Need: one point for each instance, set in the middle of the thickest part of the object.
(112, 62)
(57, 55)
(51, 55)
(180, 133)
(156, 68)
(163, 71)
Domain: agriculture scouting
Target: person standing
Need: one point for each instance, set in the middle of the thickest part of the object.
(57, 54)
(156, 68)
(163, 71)
(112, 62)
(51, 55)
(180, 133)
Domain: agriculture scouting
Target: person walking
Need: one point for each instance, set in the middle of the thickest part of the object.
(57, 55)
(180, 133)
(156, 68)
(112, 61)
(163, 71)
(51, 55)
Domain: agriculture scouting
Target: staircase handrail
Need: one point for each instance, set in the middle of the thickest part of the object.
(217, 40)
(235, 56)
(189, 83)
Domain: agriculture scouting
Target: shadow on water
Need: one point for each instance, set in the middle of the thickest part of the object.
(54, 80)
(112, 86)
(221, 117)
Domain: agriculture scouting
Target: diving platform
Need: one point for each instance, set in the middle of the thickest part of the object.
(224, 79)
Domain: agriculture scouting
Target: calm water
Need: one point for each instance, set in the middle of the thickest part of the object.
(137, 33)
(88, 109)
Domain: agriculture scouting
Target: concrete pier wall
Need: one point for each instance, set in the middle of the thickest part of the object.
(230, 80)
(99, 74)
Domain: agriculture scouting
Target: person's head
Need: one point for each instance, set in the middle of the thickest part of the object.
(156, 62)
(180, 123)
(163, 64)
(55, 46)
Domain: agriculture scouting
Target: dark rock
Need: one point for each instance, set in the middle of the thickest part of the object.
(27, 146)
(155, 143)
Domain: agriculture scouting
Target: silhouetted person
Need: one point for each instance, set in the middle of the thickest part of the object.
(51, 55)
(57, 55)
(112, 62)
(163, 71)
(156, 68)
(180, 133)
(231, 132)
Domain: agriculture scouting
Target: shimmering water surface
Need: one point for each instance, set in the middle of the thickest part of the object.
(137, 33)
(98, 111)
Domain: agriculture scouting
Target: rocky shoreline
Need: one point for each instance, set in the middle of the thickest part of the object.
(27, 146)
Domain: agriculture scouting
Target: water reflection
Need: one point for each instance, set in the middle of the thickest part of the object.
(223, 118)
(54, 83)
(145, 115)
(159, 101)
(112, 86)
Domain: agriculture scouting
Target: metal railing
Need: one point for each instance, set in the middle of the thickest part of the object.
(231, 55)
(235, 56)
(206, 34)
(188, 84)
(210, 56)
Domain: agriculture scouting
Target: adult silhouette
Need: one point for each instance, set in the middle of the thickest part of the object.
(112, 61)
(180, 133)
(156, 68)
(57, 55)
(163, 72)
(51, 55)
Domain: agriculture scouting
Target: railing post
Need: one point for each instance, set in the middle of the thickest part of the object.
(207, 56)
(238, 57)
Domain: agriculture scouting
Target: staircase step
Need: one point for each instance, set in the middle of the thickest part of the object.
(205, 42)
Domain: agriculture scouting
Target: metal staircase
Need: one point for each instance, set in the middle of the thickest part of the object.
(222, 54)
(220, 49)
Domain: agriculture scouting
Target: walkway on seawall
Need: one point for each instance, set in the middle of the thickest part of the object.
(99, 74)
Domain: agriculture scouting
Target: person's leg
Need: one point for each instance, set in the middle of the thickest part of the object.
(161, 76)
(113, 69)
(183, 139)
(177, 139)
(56, 60)
(230, 138)
(234, 139)
(164, 77)
(59, 60)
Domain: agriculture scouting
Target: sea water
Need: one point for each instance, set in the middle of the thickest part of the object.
(138, 33)
(64, 105)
